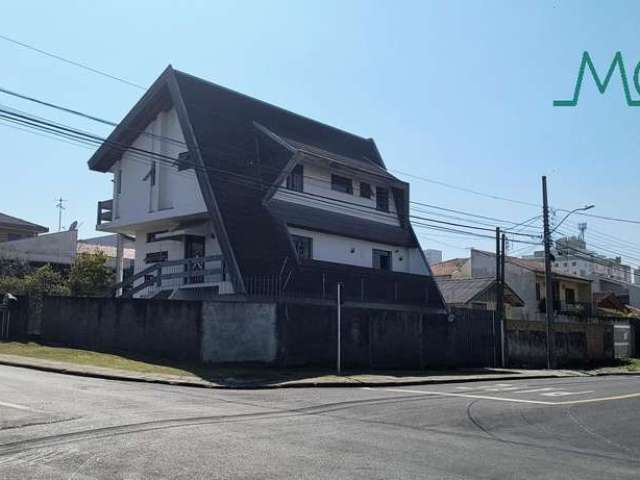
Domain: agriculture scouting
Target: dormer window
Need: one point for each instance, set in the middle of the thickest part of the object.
(295, 180)
(341, 184)
(382, 199)
(365, 190)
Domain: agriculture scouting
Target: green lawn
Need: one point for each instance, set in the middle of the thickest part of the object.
(85, 357)
(223, 374)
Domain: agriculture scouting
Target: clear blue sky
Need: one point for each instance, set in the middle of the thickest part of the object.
(459, 92)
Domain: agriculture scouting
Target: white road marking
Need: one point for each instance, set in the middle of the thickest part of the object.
(467, 395)
(535, 390)
(505, 399)
(18, 407)
(562, 393)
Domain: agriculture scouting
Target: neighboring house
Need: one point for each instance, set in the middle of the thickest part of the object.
(224, 193)
(572, 294)
(454, 268)
(612, 306)
(433, 256)
(476, 293)
(629, 294)
(59, 250)
(12, 228)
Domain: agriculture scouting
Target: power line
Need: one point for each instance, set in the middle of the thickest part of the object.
(76, 134)
(72, 62)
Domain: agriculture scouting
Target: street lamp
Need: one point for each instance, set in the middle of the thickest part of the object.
(581, 209)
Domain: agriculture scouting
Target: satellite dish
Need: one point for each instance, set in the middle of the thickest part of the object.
(73, 226)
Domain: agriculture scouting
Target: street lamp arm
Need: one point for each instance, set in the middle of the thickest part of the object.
(581, 209)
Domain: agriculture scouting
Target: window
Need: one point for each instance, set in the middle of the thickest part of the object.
(538, 291)
(573, 264)
(570, 296)
(184, 161)
(13, 236)
(156, 257)
(382, 199)
(295, 180)
(119, 182)
(303, 246)
(365, 190)
(381, 259)
(341, 184)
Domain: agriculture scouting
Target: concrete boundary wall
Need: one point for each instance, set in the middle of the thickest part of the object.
(304, 334)
(574, 343)
(238, 332)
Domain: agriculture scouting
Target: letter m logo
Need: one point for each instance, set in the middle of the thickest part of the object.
(602, 85)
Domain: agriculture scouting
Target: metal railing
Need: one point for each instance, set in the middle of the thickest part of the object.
(174, 274)
(319, 280)
(105, 211)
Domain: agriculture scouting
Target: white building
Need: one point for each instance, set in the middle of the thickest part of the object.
(60, 249)
(224, 193)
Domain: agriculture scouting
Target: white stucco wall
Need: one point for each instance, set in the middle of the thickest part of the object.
(317, 183)
(335, 248)
(175, 194)
(175, 249)
(58, 248)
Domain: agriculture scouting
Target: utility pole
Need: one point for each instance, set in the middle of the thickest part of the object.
(502, 314)
(548, 277)
(499, 290)
(339, 321)
(60, 209)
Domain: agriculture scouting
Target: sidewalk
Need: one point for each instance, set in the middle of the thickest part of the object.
(280, 380)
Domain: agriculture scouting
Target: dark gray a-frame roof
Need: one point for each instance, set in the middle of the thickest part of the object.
(237, 165)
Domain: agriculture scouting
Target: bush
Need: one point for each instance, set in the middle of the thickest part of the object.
(89, 276)
(42, 281)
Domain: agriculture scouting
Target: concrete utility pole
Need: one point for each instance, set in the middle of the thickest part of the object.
(60, 209)
(339, 321)
(502, 314)
(548, 276)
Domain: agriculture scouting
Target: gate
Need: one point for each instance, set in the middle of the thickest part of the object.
(477, 338)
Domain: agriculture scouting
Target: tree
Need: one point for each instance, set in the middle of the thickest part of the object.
(10, 267)
(89, 276)
(42, 281)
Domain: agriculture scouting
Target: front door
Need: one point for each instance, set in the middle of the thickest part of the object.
(194, 248)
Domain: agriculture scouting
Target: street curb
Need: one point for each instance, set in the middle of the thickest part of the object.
(302, 384)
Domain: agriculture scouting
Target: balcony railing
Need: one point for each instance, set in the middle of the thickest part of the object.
(317, 279)
(105, 212)
(174, 274)
(579, 309)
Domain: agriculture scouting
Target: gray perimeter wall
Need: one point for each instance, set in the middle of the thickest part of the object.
(238, 332)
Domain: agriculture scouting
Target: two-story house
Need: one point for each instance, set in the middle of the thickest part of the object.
(224, 193)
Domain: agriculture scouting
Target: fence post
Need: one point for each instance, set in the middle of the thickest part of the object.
(339, 321)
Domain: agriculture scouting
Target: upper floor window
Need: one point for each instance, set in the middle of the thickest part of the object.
(381, 259)
(184, 161)
(382, 199)
(303, 246)
(295, 180)
(365, 190)
(119, 181)
(341, 184)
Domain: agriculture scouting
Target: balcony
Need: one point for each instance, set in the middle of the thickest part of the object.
(105, 212)
(170, 275)
(576, 309)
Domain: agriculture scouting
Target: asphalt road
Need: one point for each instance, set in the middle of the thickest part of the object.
(55, 426)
